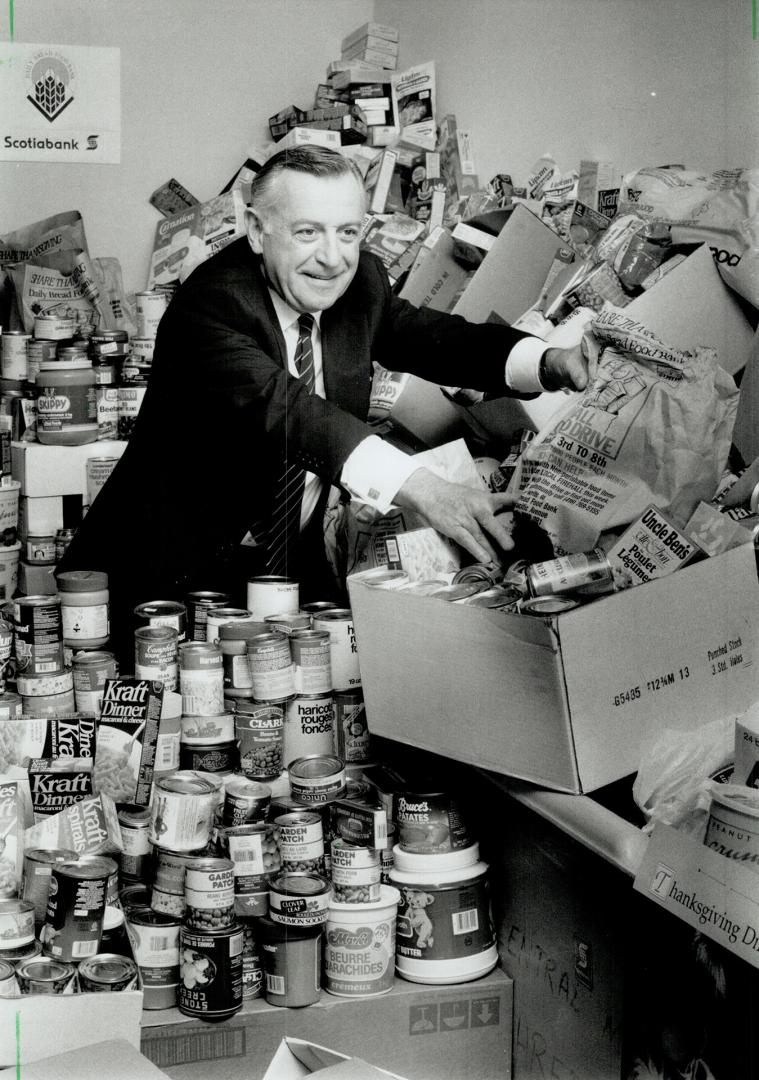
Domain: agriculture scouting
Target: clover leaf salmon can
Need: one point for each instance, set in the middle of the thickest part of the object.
(297, 899)
(317, 778)
(210, 986)
(358, 959)
(338, 622)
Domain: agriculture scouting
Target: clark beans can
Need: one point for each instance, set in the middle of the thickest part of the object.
(210, 986)
(351, 729)
(75, 908)
(38, 634)
(259, 729)
(312, 666)
(309, 726)
(317, 779)
(197, 605)
(338, 622)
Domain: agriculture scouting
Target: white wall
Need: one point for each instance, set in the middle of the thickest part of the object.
(199, 80)
(576, 77)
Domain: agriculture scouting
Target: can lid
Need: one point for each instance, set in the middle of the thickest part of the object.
(81, 580)
(107, 968)
(113, 917)
(444, 861)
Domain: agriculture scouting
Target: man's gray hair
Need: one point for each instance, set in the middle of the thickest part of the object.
(311, 160)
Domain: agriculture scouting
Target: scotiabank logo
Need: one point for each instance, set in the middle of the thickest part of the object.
(50, 76)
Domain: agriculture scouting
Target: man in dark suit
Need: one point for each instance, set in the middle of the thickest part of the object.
(260, 387)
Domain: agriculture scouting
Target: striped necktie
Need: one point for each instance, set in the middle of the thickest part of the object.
(284, 526)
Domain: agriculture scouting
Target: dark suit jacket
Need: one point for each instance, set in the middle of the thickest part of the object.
(221, 410)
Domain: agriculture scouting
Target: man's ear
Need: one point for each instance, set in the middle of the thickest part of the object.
(254, 229)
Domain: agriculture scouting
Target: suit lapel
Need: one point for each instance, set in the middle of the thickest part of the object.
(273, 339)
(346, 358)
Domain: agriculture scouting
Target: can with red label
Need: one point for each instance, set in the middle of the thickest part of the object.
(75, 908)
(259, 729)
(351, 729)
(210, 984)
(309, 726)
(197, 605)
(312, 667)
(338, 622)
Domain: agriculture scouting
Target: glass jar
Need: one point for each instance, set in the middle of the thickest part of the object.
(66, 403)
(84, 608)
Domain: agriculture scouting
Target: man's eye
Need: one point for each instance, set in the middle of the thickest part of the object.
(350, 234)
(306, 234)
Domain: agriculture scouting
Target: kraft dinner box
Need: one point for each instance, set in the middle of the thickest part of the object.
(566, 701)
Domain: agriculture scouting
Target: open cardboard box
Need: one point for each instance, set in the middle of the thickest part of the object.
(568, 701)
(298, 1058)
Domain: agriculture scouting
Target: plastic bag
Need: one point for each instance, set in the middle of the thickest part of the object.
(673, 785)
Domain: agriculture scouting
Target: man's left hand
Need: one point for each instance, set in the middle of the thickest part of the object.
(567, 369)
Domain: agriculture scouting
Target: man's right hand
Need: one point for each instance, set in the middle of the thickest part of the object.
(473, 517)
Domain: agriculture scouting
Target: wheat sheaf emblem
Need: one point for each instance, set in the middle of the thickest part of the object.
(50, 78)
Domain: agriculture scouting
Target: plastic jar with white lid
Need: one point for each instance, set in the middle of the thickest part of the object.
(444, 931)
(66, 403)
(84, 608)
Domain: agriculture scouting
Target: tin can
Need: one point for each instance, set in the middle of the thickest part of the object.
(245, 801)
(167, 894)
(182, 811)
(43, 976)
(430, 823)
(98, 469)
(107, 409)
(16, 923)
(50, 327)
(201, 679)
(516, 575)
(301, 842)
(210, 986)
(154, 938)
(209, 756)
(107, 972)
(197, 605)
(209, 892)
(292, 963)
(63, 538)
(288, 622)
(237, 677)
(548, 606)
(38, 352)
(455, 594)
(40, 549)
(309, 726)
(38, 634)
(318, 778)
(89, 671)
(299, 899)
(383, 578)
(503, 598)
(142, 350)
(355, 873)
(155, 655)
(316, 607)
(109, 343)
(312, 669)
(75, 909)
(351, 729)
(163, 613)
(35, 880)
(338, 622)
(135, 856)
(135, 894)
(218, 615)
(359, 946)
(113, 938)
(569, 572)
(259, 729)
(149, 307)
(271, 667)
(7, 657)
(10, 705)
(252, 965)
(13, 355)
(272, 593)
(478, 572)
(219, 728)
(8, 983)
(387, 859)
(254, 851)
(23, 952)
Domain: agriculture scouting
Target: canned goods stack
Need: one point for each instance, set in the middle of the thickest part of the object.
(135, 368)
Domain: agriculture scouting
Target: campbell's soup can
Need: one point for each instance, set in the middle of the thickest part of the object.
(217, 615)
(201, 678)
(351, 729)
(210, 977)
(309, 726)
(272, 594)
(38, 634)
(259, 729)
(312, 666)
(197, 605)
(338, 623)
(155, 655)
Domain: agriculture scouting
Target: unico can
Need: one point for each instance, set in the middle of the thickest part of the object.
(155, 655)
(210, 985)
(318, 778)
(201, 679)
(75, 908)
(338, 622)
(351, 729)
(259, 729)
(39, 634)
(309, 726)
(312, 666)
(197, 605)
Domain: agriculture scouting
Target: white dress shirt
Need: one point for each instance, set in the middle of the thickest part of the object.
(375, 471)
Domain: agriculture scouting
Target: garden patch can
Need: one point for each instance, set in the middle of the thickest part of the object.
(209, 892)
(301, 841)
(210, 985)
(355, 873)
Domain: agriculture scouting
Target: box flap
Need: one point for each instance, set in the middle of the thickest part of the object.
(630, 671)
(115, 1059)
(298, 1058)
(746, 431)
(713, 894)
(421, 651)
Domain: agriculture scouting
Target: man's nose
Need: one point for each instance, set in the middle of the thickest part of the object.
(328, 251)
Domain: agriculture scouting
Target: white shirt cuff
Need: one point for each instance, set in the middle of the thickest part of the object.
(375, 471)
(522, 365)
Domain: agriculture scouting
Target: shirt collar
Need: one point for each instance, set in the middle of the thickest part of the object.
(287, 315)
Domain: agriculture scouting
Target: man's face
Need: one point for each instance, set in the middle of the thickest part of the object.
(308, 237)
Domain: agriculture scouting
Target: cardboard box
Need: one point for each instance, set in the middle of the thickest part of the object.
(46, 471)
(438, 279)
(564, 702)
(30, 1027)
(40, 517)
(303, 136)
(746, 431)
(115, 1059)
(420, 1032)
(297, 1058)
(35, 580)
